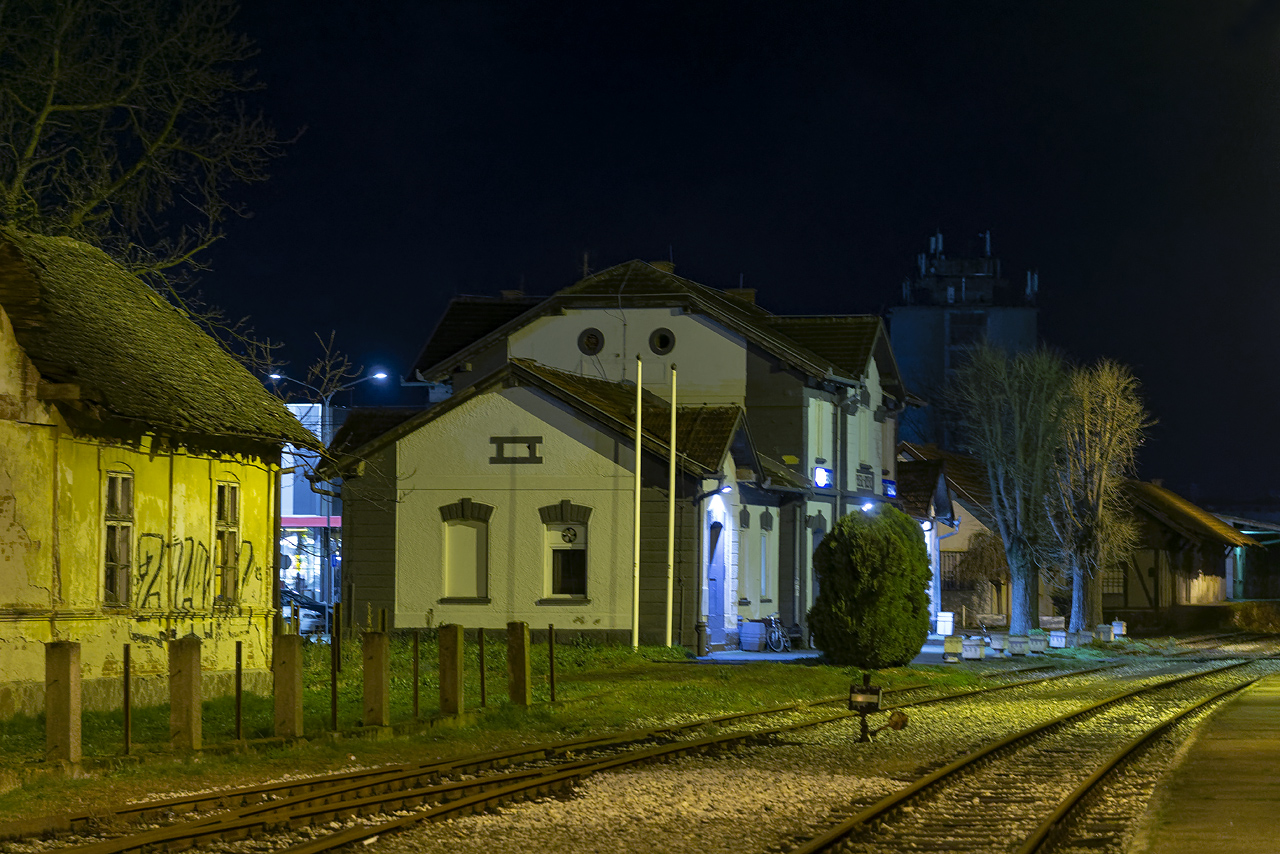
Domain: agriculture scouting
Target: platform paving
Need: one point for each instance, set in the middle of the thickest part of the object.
(1224, 795)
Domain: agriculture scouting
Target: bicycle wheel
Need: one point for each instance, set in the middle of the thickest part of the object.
(776, 639)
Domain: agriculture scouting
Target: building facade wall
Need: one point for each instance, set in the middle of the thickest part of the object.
(52, 553)
(448, 459)
(711, 360)
(369, 542)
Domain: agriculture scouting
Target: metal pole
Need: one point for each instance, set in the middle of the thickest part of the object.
(326, 503)
(239, 690)
(128, 710)
(416, 636)
(671, 509)
(635, 535)
(551, 659)
(335, 667)
(480, 644)
(336, 636)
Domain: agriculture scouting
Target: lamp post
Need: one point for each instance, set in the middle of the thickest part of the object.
(326, 500)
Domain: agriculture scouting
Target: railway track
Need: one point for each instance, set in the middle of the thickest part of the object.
(1026, 790)
(438, 789)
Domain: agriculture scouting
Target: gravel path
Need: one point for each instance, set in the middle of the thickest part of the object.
(749, 801)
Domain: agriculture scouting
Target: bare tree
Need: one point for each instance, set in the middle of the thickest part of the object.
(123, 124)
(983, 563)
(1104, 423)
(1010, 413)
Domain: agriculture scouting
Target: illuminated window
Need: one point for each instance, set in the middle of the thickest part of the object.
(566, 549)
(118, 537)
(1113, 580)
(227, 541)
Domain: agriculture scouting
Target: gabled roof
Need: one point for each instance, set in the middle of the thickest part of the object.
(776, 475)
(923, 490)
(643, 284)
(364, 424)
(967, 478)
(1180, 514)
(130, 360)
(469, 319)
(848, 341)
(704, 434)
(965, 475)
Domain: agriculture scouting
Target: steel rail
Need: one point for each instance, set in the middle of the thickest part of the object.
(371, 791)
(1057, 818)
(879, 809)
(278, 792)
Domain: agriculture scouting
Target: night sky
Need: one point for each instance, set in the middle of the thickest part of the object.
(1128, 151)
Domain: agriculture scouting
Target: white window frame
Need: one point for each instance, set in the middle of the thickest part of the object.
(558, 542)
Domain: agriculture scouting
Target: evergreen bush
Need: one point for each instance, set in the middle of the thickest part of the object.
(872, 609)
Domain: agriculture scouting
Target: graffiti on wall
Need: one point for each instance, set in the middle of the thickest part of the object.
(190, 567)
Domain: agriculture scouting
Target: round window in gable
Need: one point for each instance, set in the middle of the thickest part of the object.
(662, 341)
(591, 341)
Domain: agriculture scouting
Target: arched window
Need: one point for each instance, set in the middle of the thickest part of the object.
(566, 549)
(466, 549)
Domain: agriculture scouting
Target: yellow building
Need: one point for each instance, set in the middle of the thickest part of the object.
(139, 468)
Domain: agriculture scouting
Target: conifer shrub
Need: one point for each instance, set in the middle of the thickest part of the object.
(872, 609)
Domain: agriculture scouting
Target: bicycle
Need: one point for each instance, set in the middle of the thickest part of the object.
(775, 634)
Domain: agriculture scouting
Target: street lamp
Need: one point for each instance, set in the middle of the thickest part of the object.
(327, 398)
(326, 499)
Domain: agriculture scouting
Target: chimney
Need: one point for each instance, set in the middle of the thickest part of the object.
(510, 295)
(664, 266)
(747, 295)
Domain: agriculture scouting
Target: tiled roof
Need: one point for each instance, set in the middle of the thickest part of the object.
(1173, 509)
(467, 320)
(846, 341)
(965, 474)
(703, 433)
(364, 424)
(918, 488)
(138, 361)
(776, 474)
(639, 283)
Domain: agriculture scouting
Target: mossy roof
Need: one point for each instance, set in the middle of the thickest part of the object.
(139, 363)
(1173, 510)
